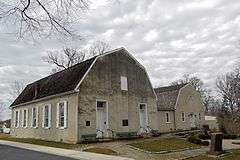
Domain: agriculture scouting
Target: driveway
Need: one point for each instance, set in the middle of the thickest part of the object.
(13, 153)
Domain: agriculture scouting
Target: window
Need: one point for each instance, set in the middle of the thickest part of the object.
(87, 123)
(46, 116)
(24, 118)
(125, 122)
(101, 104)
(142, 106)
(183, 116)
(199, 116)
(34, 117)
(167, 116)
(62, 114)
(16, 119)
(124, 84)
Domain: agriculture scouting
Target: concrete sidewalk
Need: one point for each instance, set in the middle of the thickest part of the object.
(63, 152)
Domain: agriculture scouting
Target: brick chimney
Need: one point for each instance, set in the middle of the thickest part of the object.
(35, 91)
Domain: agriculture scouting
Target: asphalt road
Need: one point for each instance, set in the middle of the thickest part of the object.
(13, 153)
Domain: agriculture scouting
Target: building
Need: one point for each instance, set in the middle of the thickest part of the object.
(107, 96)
(212, 122)
(179, 108)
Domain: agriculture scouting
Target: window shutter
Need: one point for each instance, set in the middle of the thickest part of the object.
(18, 118)
(43, 116)
(57, 116)
(124, 84)
(65, 114)
(32, 118)
(36, 116)
(22, 118)
(26, 117)
(49, 115)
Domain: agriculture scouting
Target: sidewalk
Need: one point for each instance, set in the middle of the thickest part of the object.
(63, 152)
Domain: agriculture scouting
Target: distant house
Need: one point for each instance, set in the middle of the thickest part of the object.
(5, 126)
(106, 96)
(212, 122)
(179, 108)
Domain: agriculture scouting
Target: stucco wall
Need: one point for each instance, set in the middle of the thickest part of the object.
(189, 101)
(52, 134)
(103, 83)
(163, 125)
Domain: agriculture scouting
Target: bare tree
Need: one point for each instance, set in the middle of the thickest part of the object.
(68, 57)
(65, 58)
(16, 88)
(2, 108)
(98, 48)
(42, 17)
(229, 87)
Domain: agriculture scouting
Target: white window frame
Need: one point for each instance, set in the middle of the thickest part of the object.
(183, 117)
(124, 83)
(44, 116)
(16, 122)
(167, 117)
(25, 117)
(36, 117)
(65, 105)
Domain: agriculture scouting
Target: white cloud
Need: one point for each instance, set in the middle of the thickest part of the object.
(151, 35)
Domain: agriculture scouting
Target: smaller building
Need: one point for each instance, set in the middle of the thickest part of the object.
(212, 122)
(179, 108)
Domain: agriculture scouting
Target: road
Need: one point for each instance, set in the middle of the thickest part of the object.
(13, 153)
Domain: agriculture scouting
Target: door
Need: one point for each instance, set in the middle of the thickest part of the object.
(143, 118)
(193, 120)
(101, 119)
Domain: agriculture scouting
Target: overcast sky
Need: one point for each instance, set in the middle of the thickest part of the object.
(170, 38)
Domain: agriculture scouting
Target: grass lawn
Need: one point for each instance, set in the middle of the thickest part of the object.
(234, 156)
(167, 144)
(101, 151)
(39, 142)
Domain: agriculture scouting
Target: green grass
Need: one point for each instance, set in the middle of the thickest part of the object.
(101, 151)
(168, 144)
(39, 142)
(235, 155)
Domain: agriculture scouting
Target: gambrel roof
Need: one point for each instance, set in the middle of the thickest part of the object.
(167, 97)
(62, 82)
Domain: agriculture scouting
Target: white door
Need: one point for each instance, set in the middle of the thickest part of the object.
(101, 119)
(143, 117)
(193, 121)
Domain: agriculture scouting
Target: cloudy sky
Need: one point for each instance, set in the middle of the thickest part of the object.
(170, 38)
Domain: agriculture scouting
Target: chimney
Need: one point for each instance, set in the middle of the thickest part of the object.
(35, 91)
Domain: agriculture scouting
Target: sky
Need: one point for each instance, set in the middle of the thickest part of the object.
(170, 38)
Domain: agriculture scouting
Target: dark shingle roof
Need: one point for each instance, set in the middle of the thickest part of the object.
(59, 82)
(167, 96)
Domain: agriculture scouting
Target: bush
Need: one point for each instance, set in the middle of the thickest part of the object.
(205, 143)
(155, 133)
(204, 136)
(230, 136)
(194, 139)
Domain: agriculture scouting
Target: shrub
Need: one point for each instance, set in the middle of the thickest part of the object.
(155, 133)
(230, 136)
(205, 143)
(194, 139)
(204, 136)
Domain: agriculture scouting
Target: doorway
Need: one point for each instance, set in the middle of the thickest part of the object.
(143, 117)
(101, 118)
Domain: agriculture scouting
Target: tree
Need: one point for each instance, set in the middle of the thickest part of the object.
(197, 83)
(65, 58)
(98, 48)
(16, 88)
(68, 57)
(229, 87)
(42, 17)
